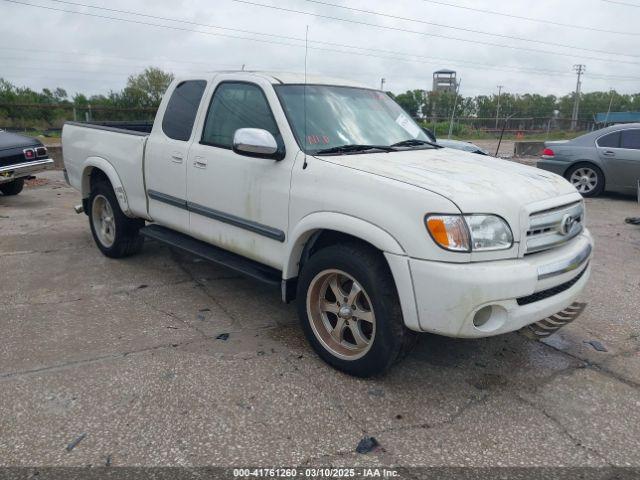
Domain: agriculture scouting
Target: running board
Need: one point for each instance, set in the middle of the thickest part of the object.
(550, 325)
(213, 254)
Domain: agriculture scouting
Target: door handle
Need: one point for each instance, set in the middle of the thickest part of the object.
(200, 162)
(609, 153)
(177, 158)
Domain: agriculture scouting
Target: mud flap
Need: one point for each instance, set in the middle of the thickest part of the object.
(550, 325)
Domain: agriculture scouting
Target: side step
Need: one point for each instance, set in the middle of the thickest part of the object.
(208, 252)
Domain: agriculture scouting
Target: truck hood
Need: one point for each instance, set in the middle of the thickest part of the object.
(475, 183)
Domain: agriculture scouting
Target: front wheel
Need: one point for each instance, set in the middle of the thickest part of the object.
(115, 234)
(349, 309)
(588, 179)
(12, 188)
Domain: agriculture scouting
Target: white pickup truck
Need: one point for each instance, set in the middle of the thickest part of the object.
(329, 190)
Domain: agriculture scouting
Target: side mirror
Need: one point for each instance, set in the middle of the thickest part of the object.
(256, 142)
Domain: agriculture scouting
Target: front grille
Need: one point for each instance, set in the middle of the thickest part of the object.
(550, 292)
(554, 227)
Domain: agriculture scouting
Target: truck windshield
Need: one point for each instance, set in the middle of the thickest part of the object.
(344, 120)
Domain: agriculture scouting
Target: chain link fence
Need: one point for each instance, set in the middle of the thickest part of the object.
(49, 118)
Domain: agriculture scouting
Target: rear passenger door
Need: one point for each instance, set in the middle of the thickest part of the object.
(167, 152)
(629, 158)
(620, 154)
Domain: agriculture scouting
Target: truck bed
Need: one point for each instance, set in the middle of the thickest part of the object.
(117, 151)
(139, 127)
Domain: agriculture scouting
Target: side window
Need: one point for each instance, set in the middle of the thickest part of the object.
(237, 105)
(630, 139)
(611, 141)
(182, 109)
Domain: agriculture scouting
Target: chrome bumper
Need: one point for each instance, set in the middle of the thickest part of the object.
(11, 172)
(554, 269)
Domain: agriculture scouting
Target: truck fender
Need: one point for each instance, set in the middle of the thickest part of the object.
(103, 165)
(339, 222)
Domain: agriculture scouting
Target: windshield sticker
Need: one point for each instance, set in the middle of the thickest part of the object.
(406, 123)
(317, 140)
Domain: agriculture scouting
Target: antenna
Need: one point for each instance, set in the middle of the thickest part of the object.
(304, 97)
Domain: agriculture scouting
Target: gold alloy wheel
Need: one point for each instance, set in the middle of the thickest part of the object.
(341, 314)
(104, 222)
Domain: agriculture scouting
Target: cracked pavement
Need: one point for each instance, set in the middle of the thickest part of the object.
(126, 352)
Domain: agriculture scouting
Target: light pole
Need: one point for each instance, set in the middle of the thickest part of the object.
(382, 82)
(500, 87)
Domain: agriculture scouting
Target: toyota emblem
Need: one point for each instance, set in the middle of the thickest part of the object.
(567, 223)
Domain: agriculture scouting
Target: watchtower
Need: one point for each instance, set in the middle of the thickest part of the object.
(444, 81)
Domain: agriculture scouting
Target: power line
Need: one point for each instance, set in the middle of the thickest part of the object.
(500, 35)
(115, 57)
(531, 19)
(101, 64)
(405, 30)
(385, 52)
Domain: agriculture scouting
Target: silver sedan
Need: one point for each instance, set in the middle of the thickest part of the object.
(604, 160)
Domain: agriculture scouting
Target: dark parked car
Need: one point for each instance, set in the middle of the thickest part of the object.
(460, 145)
(604, 160)
(456, 144)
(20, 157)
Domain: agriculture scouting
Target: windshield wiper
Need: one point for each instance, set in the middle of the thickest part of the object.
(414, 142)
(354, 148)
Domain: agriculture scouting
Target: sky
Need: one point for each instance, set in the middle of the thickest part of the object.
(402, 41)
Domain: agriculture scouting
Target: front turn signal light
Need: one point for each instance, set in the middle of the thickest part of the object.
(450, 232)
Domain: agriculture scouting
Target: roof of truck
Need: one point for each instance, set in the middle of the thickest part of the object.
(295, 78)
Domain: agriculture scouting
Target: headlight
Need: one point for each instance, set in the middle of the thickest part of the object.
(466, 233)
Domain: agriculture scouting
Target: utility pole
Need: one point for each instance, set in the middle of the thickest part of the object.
(382, 82)
(579, 68)
(606, 119)
(500, 87)
(453, 112)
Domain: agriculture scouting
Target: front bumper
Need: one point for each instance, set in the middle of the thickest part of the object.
(11, 172)
(511, 293)
(554, 166)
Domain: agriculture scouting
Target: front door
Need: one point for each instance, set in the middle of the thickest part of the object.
(237, 202)
(166, 156)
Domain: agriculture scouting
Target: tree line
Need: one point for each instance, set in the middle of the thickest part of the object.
(439, 105)
(25, 108)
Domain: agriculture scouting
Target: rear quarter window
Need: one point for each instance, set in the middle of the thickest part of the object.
(182, 108)
(611, 140)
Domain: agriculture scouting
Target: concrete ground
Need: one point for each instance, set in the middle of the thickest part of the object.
(125, 353)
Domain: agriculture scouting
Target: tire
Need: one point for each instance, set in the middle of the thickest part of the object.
(115, 234)
(12, 188)
(366, 340)
(587, 178)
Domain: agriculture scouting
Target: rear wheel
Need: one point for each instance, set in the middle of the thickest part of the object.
(115, 234)
(12, 188)
(349, 309)
(588, 179)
